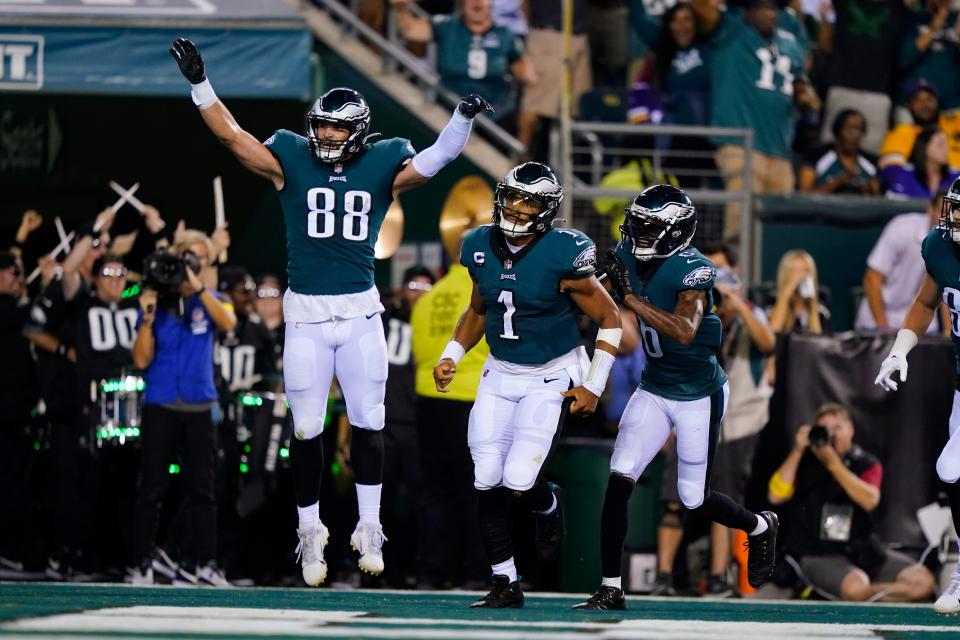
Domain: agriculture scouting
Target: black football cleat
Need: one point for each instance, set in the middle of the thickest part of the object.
(504, 595)
(663, 586)
(762, 549)
(605, 599)
(550, 529)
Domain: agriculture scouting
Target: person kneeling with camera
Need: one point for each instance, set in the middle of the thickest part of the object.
(174, 347)
(831, 486)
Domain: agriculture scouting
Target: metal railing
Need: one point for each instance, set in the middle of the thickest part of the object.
(598, 148)
(396, 57)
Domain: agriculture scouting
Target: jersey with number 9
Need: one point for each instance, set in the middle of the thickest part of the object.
(943, 265)
(529, 320)
(333, 217)
(673, 370)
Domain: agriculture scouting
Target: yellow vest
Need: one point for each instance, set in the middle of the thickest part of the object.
(433, 320)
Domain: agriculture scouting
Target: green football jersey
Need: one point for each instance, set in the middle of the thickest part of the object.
(752, 82)
(940, 255)
(673, 370)
(333, 213)
(529, 320)
(476, 63)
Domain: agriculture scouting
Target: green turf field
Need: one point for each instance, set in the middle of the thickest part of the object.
(37, 611)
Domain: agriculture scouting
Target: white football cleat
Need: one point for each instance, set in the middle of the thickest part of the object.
(310, 554)
(949, 600)
(368, 540)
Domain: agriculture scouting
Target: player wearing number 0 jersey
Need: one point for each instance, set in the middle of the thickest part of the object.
(941, 255)
(530, 283)
(335, 186)
(668, 285)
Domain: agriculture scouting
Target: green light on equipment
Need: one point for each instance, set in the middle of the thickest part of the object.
(248, 400)
(36, 446)
(174, 469)
(244, 467)
(247, 448)
(131, 291)
(284, 452)
(335, 468)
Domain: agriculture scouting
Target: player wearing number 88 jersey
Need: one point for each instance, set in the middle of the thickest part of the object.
(529, 281)
(335, 187)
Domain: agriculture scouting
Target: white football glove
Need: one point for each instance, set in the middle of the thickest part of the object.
(893, 363)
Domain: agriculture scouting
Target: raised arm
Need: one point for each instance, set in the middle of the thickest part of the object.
(248, 150)
(82, 247)
(466, 335)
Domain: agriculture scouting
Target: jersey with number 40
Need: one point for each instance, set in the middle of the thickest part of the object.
(333, 217)
(673, 370)
(529, 320)
(940, 255)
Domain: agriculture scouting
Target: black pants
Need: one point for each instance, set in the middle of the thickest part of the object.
(187, 438)
(451, 548)
(75, 452)
(16, 457)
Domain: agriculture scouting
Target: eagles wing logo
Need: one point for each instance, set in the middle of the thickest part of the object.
(587, 258)
(698, 276)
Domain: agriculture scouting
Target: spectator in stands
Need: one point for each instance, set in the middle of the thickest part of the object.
(401, 471)
(19, 391)
(269, 306)
(174, 346)
(924, 106)
(929, 49)
(842, 166)
(798, 306)
(761, 72)
(927, 172)
(473, 54)
(448, 501)
(830, 486)
(895, 270)
(545, 46)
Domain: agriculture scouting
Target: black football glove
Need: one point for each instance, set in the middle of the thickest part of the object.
(473, 104)
(619, 278)
(189, 60)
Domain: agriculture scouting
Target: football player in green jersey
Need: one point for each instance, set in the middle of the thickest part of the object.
(335, 187)
(941, 254)
(530, 282)
(668, 284)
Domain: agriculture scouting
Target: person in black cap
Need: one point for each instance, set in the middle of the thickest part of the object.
(19, 392)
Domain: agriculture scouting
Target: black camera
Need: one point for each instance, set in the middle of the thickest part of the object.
(819, 436)
(165, 271)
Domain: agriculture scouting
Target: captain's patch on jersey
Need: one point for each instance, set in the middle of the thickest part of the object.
(479, 257)
(587, 258)
(698, 276)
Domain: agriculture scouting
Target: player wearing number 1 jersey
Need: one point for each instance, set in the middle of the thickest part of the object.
(335, 186)
(530, 281)
(941, 255)
(669, 286)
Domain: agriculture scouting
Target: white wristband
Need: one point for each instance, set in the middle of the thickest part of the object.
(203, 95)
(610, 336)
(454, 351)
(906, 340)
(596, 380)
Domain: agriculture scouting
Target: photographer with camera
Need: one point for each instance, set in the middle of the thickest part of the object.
(831, 486)
(174, 347)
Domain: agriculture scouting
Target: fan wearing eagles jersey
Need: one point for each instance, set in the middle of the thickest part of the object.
(941, 255)
(245, 354)
(335, 186)
(530, 283)
(668, 284)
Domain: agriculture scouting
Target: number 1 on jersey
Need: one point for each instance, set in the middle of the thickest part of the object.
(506, 299)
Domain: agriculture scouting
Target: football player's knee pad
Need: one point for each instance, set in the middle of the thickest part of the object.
(948, 464)
(487, 473)
(691, 493)
(673, 516)
(626, 461)
(309, 414)
(307, 427)
(520, 476)
(371, 413)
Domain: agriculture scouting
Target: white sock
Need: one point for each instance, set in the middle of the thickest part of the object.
(761, 526)
(368, 503)
(612, 582)
(506, 568)
(309, 516)
(553, 507)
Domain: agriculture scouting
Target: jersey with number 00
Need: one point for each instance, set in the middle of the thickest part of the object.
(673, 370)
(752, 81)
(333, 218)
(940, 255)
(528, 320)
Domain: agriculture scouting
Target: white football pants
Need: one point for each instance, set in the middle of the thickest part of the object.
(948, 464)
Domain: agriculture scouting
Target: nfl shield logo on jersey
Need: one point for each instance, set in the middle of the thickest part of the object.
(508, 264)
